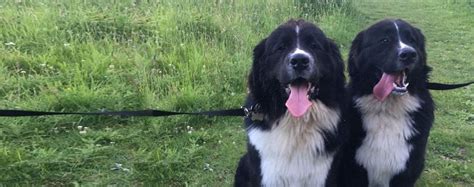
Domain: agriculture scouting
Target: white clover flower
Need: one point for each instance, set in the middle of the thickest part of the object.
(118, 166)
(208, 167)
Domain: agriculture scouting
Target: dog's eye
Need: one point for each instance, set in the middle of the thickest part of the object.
(281, 47)
(314, 45)
(384, 40)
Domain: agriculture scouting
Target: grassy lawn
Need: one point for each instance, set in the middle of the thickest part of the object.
(186, 56)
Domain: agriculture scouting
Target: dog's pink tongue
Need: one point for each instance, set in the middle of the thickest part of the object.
(383, 88)
(298, 102)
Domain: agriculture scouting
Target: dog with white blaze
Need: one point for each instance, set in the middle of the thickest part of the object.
(296, 96)
(391, 112)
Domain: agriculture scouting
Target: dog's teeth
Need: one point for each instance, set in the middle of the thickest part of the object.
(312, 89)
(406, 84)
(288, 90)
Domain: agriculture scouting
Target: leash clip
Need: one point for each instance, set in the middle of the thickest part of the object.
(252, 112)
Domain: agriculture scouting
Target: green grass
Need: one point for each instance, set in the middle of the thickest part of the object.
(185, 56)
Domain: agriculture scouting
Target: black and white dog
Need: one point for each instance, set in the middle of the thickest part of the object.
(392, 110)
(296, 85)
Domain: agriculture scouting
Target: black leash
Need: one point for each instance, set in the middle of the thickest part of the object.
(251, 111)
(441, 86)
(143, 113)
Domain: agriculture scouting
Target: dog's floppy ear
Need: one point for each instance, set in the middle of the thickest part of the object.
(258, 53)
(259, 50)
(356, 47)
(336, 54)
(420, 38)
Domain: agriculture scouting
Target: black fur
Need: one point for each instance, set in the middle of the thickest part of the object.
(268, 78)
(373, 52)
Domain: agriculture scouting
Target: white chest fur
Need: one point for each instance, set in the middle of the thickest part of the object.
(292, 152)
(388, 125)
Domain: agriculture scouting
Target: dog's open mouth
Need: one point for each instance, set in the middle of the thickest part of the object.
(391, 83)
(400, 85)
(299, 91)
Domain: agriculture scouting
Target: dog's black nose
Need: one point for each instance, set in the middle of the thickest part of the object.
(407, 55)
(299, 62)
